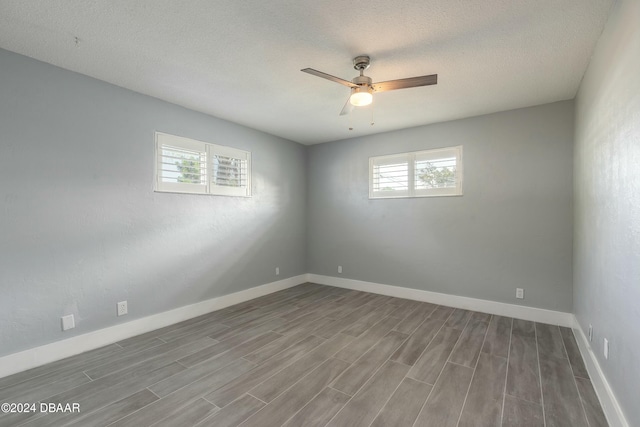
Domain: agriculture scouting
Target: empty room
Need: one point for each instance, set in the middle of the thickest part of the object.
(320, 213)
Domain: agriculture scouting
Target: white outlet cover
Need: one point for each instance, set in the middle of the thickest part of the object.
(339, 269)
(68, 322)
(606, 348)
(277, 271)
(590, 333)
(519, 293)
(122, 308)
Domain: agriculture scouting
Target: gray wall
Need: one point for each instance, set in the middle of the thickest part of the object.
(81, 227)
(607, 203)
(512, 228)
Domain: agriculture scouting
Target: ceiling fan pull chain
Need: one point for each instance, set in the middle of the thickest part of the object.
(372, 121)
(350, 121)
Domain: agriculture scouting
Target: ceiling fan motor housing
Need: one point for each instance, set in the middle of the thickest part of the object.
(362, 81)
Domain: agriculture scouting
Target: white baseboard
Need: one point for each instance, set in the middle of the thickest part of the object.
(37, 356)
(485, 306)
(610, 406)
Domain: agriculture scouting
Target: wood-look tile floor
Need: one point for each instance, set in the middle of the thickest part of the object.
(316, 355)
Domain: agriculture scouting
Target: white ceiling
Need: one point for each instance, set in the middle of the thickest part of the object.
(240, 60)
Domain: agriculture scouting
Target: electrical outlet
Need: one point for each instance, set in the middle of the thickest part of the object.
(277, 271)
(122, 308)
(340, 269)
(590, 332)
(68, 322)
(605, 348)
(519, 293)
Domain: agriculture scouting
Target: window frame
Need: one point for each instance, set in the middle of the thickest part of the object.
(410, 159)
(210, 151)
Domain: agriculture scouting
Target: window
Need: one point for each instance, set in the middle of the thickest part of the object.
(417, 174)
(188, 166)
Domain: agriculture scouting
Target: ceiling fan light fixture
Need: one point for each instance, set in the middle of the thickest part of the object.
(361, 96)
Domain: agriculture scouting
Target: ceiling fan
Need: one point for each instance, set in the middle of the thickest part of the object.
(362, 88)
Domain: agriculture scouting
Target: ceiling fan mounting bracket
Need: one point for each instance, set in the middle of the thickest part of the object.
(361, 62)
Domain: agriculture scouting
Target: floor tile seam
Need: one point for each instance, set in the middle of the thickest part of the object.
(2, 389)
(425, 317)
(301, 325)
(370, 347)
(575, 382)
(326, 316)
(461, 365)
(263, 320)
(304, 376)
(184, 387)
(523, 399)
(211, 403)
(424, 404)
(220, 355)
(158, 356)
(506, 376)
(306, 313)
(257, 398)
(387, 401)
(365, 383)
(473, 374)
(544, 415)
(42, 399)
(452, 348)
(203, 322)
(340, 331)
(461, 333)
(566, 355)
(233, 401)
(262, 315)
(140, 362)
(415, 379)
(257, 366)
(237, 333)
(464, 328)
(309, 305)
(147, 388)
(191, 329)
(58, 371)
(95, 410)
(339, 391)
(428, 344)
(419, 325)
(441, 370)
(579, 355)
(433, 386)
(193, 398)
(387, 359)
(63, 373)
(410, 313)
(151, 403)
(365, 331)
(303, 406)
(310, 400)
(190, 338)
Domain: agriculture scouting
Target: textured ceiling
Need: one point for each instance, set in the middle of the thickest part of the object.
(241, 60)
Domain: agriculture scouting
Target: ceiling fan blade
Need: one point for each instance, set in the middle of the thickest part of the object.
(328, 77)
(431, 79)
(348, 107)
